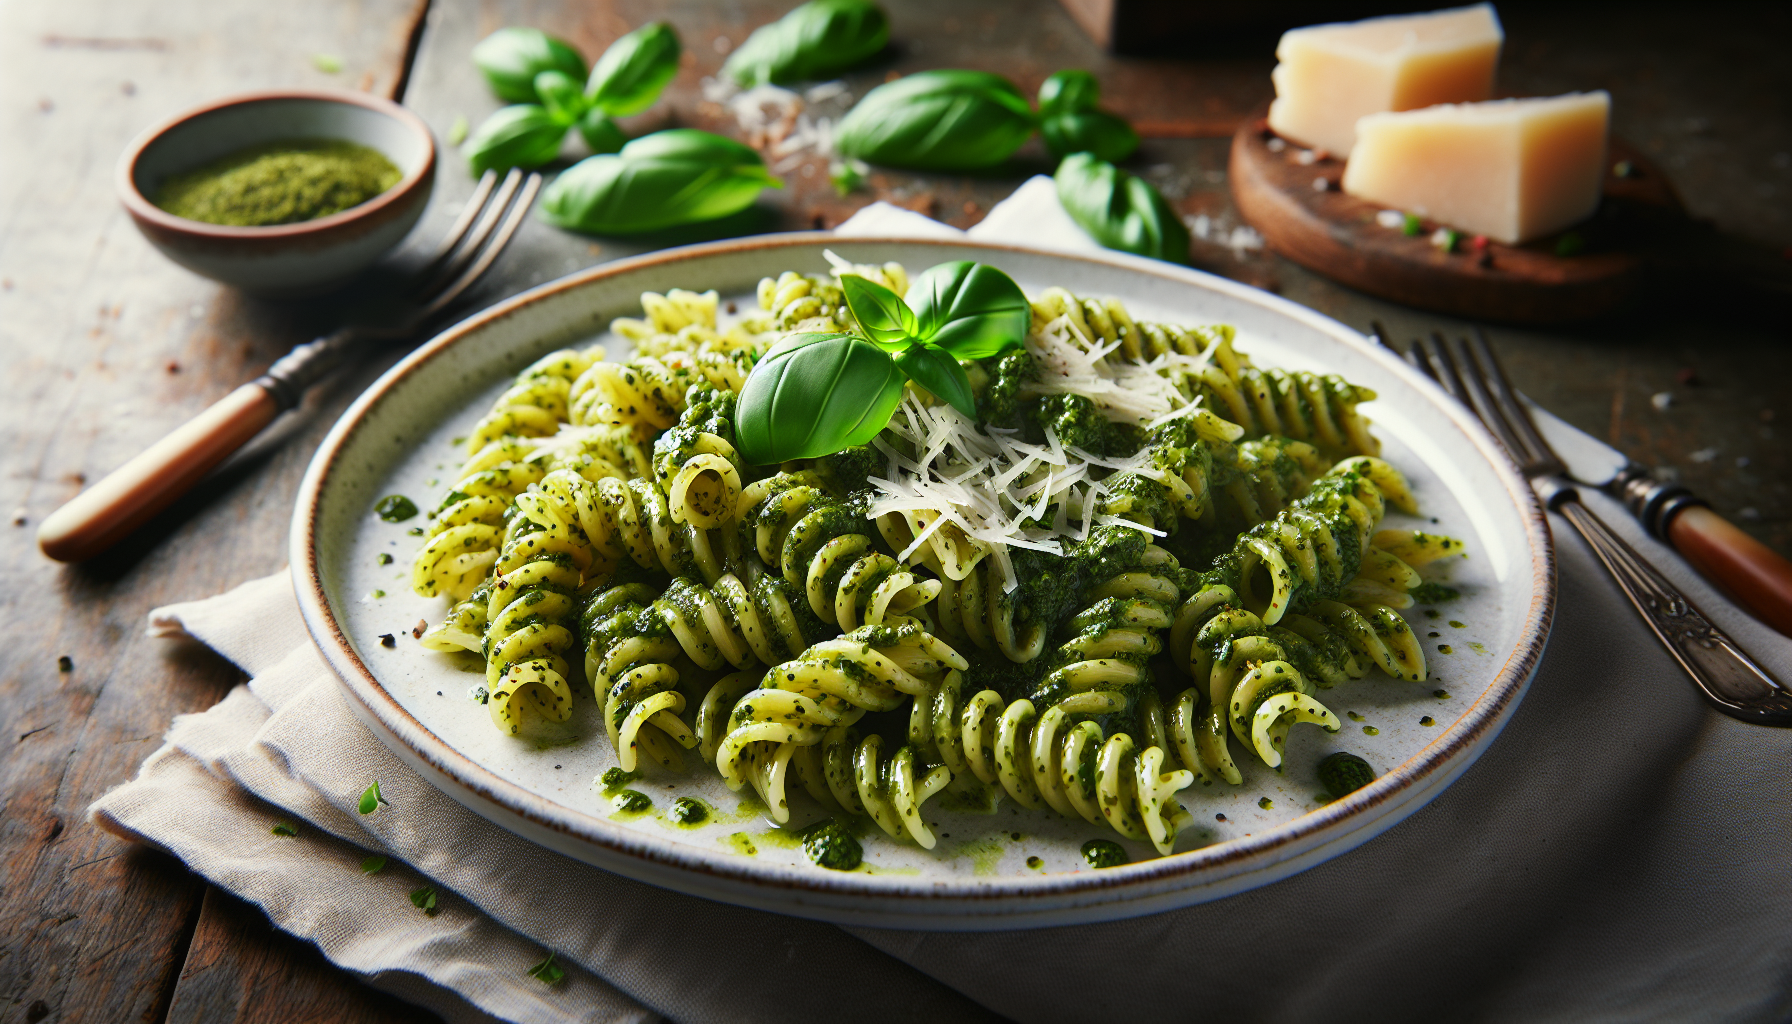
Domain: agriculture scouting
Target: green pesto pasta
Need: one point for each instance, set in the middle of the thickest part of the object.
(1143, 550)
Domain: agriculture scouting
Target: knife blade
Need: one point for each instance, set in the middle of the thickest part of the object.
(1750, 571)
(1589, 460)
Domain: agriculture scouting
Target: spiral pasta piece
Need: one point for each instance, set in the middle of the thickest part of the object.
(1317, 408)
(632, 519)
(833, 683)
(814, 302)
(695, 462)
(532, 607)
(537, 403)
(823, 545)
(854, 774)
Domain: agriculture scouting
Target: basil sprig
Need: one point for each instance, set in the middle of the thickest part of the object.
(1070, 122)
(672, 177)
(545, 80)
(815, 394)
(1119, 210)
(816, 40)
(510, 58)
(938, 121)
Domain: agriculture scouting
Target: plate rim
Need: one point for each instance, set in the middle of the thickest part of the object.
(1077, 895)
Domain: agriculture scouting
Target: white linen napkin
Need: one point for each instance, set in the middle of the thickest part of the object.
(1618, 854)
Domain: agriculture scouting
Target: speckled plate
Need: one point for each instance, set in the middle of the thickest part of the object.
(1007, 869)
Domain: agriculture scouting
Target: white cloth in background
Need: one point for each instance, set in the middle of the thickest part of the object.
(1618, 854)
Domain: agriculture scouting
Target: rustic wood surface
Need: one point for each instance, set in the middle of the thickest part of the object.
(111, 346)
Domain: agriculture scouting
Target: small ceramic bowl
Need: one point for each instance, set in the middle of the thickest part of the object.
(284, 259)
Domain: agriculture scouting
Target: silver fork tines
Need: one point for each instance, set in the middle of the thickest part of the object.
(1730, 680)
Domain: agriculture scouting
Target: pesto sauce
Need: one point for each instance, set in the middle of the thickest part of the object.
(395, 508)
(1434, 593)
(285, 182)
(1104, 853)
(830, 845)
(1343, 773)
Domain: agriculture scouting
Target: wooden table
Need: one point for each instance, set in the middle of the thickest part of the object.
(109, 346)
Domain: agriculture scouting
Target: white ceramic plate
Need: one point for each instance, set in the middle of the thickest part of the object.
(1013, 868)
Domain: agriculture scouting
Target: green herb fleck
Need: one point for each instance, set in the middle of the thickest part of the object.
(689, 811)
(1444, 649)
(281, 828)
(415, 531)
(372, 865)
(1427, 720)
(395, 508)
(1458, 625)
(457, 132)
(1572, 243)
(424, 899)
(547, 971)
(329, 64)
(65, 664)
(1343, 774)
(1104, 853)
(383, 559)
(1411, 225)
(1370, 730)
(616, 778)
(371, 799)
(830, 845)
(1035, 863)
(632, 801)
(1433, 593)
(478, 694)
(1266, 803)
(379, 594)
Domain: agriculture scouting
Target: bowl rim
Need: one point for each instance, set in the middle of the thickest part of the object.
(1142, 886)
(140, 207)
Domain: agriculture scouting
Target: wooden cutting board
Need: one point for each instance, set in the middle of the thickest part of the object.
(1339, 236)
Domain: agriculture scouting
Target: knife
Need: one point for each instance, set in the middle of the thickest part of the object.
(1749, 571)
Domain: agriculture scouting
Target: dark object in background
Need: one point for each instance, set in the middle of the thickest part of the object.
(1182, 26)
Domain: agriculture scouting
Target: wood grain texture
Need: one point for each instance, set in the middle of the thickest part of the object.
(109, 346)
(240, 970)
(1277, 185)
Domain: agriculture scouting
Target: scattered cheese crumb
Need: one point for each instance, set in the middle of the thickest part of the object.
(1704, 455)
(1394, 219)
(1661, 400)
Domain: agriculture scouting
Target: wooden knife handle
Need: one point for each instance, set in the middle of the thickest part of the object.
(107, 512)
(1750, 570)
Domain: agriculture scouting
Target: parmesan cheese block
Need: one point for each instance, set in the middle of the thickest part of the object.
(1512, 170)
(1331, 75)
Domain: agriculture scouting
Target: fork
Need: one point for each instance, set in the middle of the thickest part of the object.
(126, 498)
(1730, 680)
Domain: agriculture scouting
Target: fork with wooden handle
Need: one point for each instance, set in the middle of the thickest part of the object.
(126, 498)
(1730, 680)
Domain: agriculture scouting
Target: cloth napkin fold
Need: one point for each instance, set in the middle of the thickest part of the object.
(1618, 854)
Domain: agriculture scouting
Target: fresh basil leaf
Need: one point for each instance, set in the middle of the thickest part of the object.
(372, 865)
(561, 96)
(601, 133)
(813, 395)
(510, 58)
(816, 40)
(424, 899)
(281, 828)
(881, 313)
(1089, 131)
(1119, 210)
(547, 971)
(371, 798)
(938, 121)
(936, 370)
(971, 310)
(632, 72)
(524, 135)
(1069, 92)
(672, 177)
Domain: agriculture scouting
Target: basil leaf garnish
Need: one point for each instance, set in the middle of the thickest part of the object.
(1119, 210)
(971, 310)
(936, 370)
(1069, 92)
(881, 313)
(601, 133)
(938, 121)
(1070, 123)
(561, 96)
(1089, 131)
(510, 58)
(672, 177)
(523, 135)
(814, 394)
(632, 72)
(816, 40)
